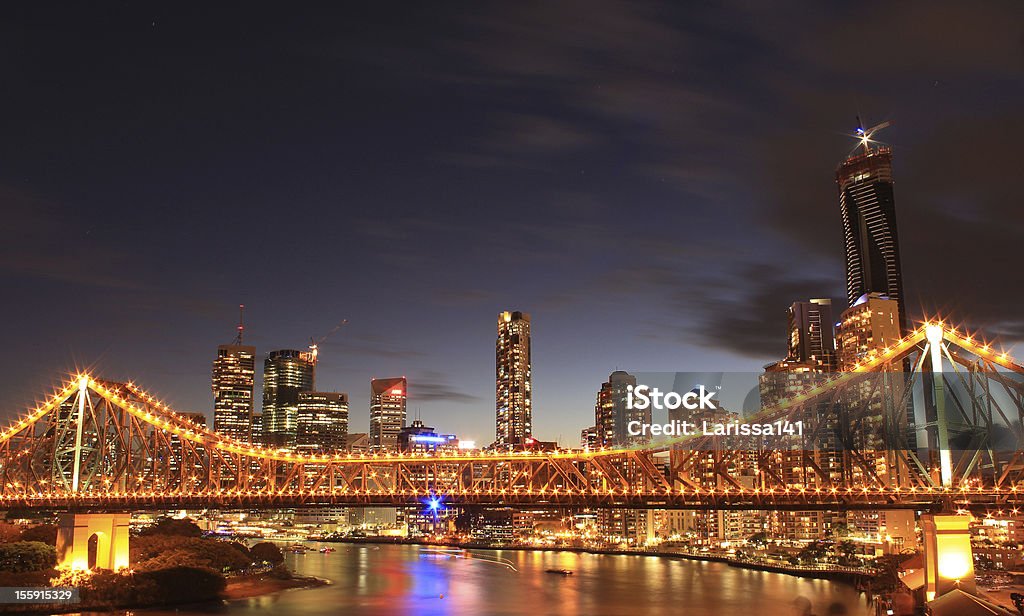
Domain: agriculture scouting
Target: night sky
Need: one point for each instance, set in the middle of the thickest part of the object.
(652, 182)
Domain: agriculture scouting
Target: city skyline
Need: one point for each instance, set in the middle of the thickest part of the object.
(525, 208)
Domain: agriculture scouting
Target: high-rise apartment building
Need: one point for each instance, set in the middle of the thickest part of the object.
(257, 429)
(612, 415)
(811, 335)
(387, 412)
(810, 356)
(285, 373)
(513, 380)
(868, 210)
(321, 424)
(234, 374)
(871, 324)
(233, 378)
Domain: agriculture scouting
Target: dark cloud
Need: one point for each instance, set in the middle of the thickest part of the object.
(629, 168)
(432, 386)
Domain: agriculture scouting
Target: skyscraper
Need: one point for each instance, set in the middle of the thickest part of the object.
(513, 380)
(611, 415)
(811, 333)
(809, 358)
(233, 378)
(868, 212)
(234, 372)
(387, 412)
(870, 325)
(321, 424)
(285, 373)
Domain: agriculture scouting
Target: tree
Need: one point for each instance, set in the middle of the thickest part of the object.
(847, 549)
(266, 552)
(173, 526)
(23, 556)
(155, 552)
(812, 552)
(841, 530)
(43, 533)
(184, 584)
(888, 570)
(760, 538)
(9, 532)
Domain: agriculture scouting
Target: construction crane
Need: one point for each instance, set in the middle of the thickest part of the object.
(314, 344)
(865, 135)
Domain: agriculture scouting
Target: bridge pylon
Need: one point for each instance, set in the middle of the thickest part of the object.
(93, 541)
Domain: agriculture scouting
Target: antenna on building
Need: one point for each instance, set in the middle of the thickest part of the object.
(241, 324)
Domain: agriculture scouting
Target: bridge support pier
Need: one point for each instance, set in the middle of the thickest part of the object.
(93, 540)
(948, 559)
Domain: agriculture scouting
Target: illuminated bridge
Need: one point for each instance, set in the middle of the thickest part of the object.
(98, 446)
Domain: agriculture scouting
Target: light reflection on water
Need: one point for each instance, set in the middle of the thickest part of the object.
(398, 579)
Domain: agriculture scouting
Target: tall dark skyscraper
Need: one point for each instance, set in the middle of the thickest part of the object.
(869, 226)
(811, 333)
(513, 380)
(285, 373)
(611, 414)
(234, 372)
(387, 412)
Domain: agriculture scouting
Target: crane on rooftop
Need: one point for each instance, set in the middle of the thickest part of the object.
(866, 134)
(314, 344)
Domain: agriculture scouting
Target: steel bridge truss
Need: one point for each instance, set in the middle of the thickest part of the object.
(102, 445)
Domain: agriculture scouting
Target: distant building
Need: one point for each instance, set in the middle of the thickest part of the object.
(198, 420)
(234, 372)
(535, 444)
(612, 415)
(626, 527)
(257, 429)
(810, 357)
(871, 324)
(513, 380)
(786, 378)
(285, 373)
(499, 525)
(357, 442)
(868, 209)
(421, 438)
(588, 438)
(321, 421)
(811, 335)
(387, 412)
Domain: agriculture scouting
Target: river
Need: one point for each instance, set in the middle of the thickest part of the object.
(408, 579)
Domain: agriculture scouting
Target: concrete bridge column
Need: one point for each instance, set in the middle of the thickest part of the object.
(107, 531)
(948, 559)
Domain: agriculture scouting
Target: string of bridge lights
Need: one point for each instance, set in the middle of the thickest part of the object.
(160, 415)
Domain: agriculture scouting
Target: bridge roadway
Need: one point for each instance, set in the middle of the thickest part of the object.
(923, 499)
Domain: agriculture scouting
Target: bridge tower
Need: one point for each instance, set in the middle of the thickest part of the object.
(933, 334)
(948, 559)
(93, 540)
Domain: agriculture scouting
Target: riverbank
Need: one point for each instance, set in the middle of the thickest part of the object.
(247, 586)
(236, 588)
(854, 577)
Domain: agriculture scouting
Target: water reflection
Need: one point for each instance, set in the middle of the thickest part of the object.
(408, 580)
